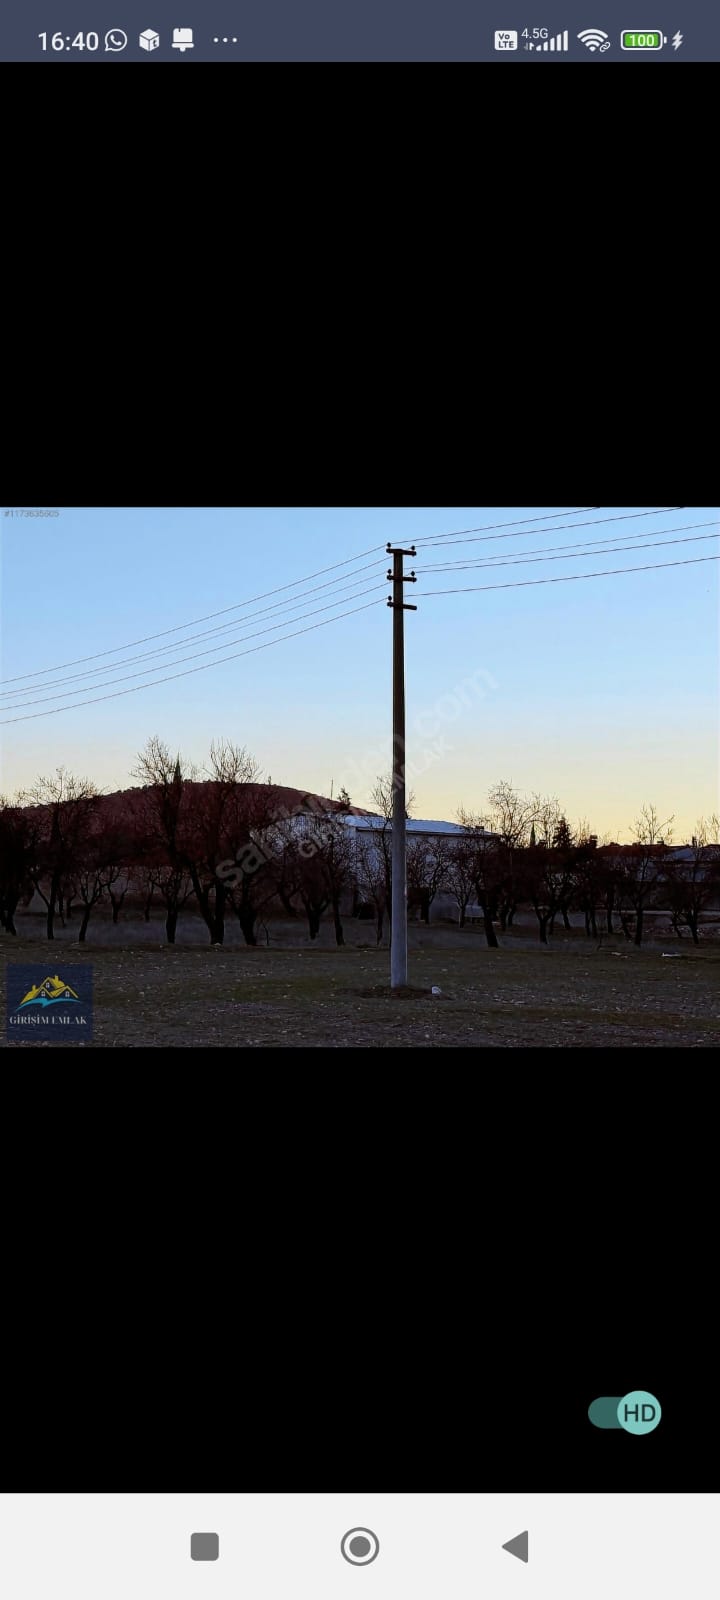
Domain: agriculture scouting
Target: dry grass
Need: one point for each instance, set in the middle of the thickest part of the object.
(237, 997)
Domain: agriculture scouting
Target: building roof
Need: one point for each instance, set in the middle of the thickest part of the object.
(688, 852)
(413, 825)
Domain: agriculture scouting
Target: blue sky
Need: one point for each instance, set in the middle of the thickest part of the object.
(604, 692)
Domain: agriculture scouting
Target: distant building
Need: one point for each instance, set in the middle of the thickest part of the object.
(366, 829)
(414, 826)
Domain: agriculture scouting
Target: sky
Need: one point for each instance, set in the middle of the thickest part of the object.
(602, 692)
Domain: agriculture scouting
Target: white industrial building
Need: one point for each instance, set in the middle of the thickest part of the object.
(444, 906)
(367, 828)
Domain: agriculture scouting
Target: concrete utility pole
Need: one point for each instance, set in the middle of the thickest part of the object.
(398, 925)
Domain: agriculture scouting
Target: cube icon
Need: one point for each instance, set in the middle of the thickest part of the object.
(204, 1546)
(149, 40)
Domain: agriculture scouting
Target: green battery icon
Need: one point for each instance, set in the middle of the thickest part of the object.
(645, 39)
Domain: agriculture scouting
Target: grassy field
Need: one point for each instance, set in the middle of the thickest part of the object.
(236, 997)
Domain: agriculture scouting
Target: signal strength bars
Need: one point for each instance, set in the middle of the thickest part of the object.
(558, 42)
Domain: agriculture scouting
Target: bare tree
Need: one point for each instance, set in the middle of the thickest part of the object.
(88, 881)
(541, 879)
(120, 850)
(546, 863)
(373, 878)
(490, 866)
(334, 848)
(17, 848)
(160, 806)
(175, 888)
(547, 820)
(382, 797)
(641, 866)
(102, 866)
(212, 828)
(588, 876)
(143, 878)
(67, 809)
(116, 879)
(459, 872)
(563, 844)
(313, 890)
(427, 861)
(693, 881)
(381, 837)
(197, 825)
(256, 853)
(162, 809)
(510, 816)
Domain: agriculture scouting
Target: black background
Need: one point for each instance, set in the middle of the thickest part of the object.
(421, 1314)
(336, 1413)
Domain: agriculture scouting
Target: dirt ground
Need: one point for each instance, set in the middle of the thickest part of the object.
(234, 997)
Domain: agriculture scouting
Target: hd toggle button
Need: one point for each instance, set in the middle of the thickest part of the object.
(637, 1412)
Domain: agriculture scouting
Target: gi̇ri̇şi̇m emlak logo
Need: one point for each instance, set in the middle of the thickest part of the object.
(49, 1006)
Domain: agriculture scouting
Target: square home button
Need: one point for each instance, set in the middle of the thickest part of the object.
(204, 1546)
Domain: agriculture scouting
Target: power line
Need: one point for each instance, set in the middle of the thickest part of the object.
(459, 565)
(519, 522)
(194, 656)
(438, 539)
(294, 605)
(594, 522)
(573, 577)
(577, 555)
(240, 605)
(297, 603)
(474, 589)
(118, 693)
(181, 626)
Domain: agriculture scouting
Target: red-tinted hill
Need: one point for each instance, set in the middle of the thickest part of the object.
(282, 798)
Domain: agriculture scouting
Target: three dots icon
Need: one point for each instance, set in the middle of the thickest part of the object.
(226, 40)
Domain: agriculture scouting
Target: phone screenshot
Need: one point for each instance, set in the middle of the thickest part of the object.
(64, 32)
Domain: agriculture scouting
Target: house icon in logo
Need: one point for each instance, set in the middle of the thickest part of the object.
(47, 992)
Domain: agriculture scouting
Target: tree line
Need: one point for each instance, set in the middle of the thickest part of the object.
(218, 837)
(522, 851)
(223, 841)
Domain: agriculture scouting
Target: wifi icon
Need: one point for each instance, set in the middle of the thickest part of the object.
(594, 39)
